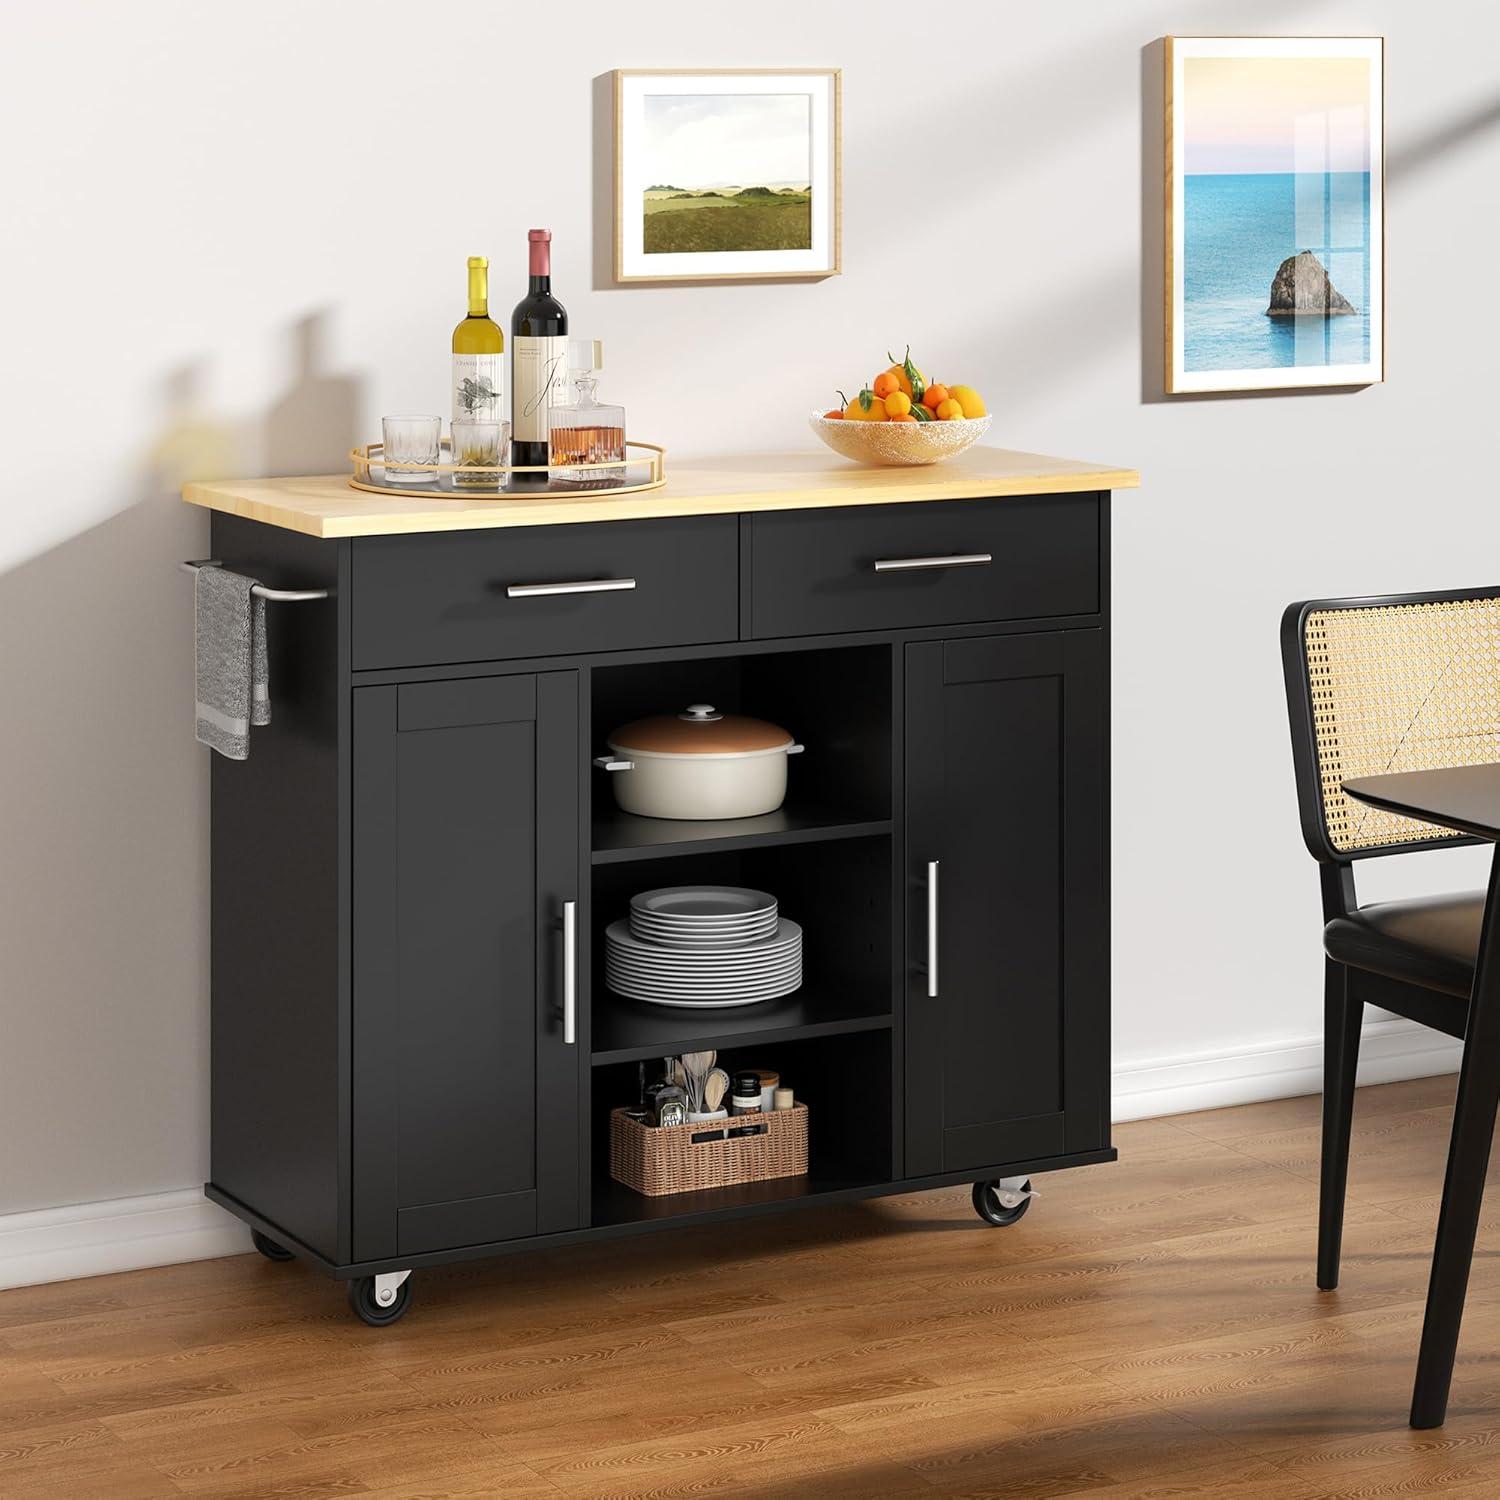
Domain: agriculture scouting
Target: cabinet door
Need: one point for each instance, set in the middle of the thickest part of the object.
(465, 1093)
(1008, 1044)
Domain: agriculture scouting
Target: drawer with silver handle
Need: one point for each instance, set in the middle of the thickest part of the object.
(895, 567)
(544, 591)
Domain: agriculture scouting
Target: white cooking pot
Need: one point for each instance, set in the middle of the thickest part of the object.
(699, 764)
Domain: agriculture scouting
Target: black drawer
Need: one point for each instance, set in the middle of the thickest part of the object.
(813, 572)
(450, 597)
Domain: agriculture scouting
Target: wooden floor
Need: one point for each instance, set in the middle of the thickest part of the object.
(1149, 1328)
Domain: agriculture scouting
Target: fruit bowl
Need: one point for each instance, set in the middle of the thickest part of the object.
(898, 442)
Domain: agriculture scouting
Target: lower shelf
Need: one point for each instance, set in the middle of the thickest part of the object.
(625, 1030)
(614, 1203)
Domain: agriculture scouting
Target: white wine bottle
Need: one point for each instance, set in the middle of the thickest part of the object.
(479, 354)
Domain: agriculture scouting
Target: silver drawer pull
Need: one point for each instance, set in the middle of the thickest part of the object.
(916, 564)
(585, 586)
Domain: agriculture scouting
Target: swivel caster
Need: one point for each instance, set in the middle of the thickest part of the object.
(1002, 1200)
(379, 1300)
(269, 1248)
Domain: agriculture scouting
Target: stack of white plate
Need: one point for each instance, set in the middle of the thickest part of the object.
(703, 946)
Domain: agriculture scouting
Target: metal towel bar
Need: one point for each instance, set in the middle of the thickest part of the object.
(277, 596)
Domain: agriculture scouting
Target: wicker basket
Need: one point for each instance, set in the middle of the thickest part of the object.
(659, 1160)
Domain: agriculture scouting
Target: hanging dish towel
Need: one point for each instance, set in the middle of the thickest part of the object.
(231, 670)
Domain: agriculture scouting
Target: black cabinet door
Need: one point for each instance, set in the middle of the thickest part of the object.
(465, 1093)
(1008, 1042)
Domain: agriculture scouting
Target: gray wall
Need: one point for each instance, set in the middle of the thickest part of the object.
(234, 235)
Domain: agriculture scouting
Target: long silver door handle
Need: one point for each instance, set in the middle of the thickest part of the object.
(946, 560)
(932, 929)
(584, 586)
(570, 972)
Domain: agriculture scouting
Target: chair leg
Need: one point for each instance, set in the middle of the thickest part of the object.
(1342, 1017)
(1458, 1221)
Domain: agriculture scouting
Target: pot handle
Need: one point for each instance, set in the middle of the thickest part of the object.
(795, 749)
(613, 763)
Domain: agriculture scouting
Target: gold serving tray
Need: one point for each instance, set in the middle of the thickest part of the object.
(646, 471)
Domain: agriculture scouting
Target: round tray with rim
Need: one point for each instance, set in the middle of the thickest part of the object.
(646, 469)
(898, 442)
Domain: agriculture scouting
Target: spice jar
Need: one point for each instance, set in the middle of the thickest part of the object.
(770, 1081)
(745, 1098)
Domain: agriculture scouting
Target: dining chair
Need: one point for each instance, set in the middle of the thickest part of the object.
(1403, 682)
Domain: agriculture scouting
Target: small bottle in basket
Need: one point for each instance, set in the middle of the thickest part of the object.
(667, 1103)
(746, 1097)
(586, 433)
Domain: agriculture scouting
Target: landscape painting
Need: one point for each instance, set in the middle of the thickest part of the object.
(726, 175)
(1275, 213)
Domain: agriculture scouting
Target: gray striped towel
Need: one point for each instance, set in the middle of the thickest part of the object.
(231, 670)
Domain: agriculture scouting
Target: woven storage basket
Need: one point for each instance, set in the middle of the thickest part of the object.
(658, 1160)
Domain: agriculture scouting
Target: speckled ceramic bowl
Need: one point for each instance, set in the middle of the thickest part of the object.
(899, 442)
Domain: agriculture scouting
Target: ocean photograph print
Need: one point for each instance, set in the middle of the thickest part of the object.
(724, 174)
(1275, 198)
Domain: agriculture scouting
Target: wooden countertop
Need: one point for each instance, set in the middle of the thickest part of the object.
(325, 506)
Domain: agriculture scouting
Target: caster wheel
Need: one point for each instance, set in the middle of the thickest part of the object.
(368, 1310)
(269, 1248)
(988, 1206)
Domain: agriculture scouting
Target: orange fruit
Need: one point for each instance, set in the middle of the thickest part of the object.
(902, 416)
(898, 369)
(970, 399)
(836, 415)
(897, 404)
(858, 411)
(885, 383)
(949, 410)
(935, 394)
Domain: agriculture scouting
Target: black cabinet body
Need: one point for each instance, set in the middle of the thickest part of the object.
(414, 1053)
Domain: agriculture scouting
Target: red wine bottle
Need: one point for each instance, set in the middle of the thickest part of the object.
(539, 356)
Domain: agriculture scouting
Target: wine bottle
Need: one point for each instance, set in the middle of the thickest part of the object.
(479, 354)
(539, 357)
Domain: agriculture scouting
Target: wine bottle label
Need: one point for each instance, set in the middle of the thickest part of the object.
(479, 387)
(541, 376)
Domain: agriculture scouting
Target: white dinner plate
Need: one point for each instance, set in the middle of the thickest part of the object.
(619, 935)
(711, 986)
(728, 962)
(694, 903)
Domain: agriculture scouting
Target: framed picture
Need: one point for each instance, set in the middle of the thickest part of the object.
(1275, 196)
(722, 174)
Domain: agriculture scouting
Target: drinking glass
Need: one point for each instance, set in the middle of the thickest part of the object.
(411, 440)
(477, 441)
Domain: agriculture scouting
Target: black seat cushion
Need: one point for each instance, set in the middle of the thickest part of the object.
(1431, 941)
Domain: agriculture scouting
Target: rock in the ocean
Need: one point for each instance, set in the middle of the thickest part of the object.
(1301, 289)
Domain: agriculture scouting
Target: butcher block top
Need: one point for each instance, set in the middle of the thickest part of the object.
(325, 505)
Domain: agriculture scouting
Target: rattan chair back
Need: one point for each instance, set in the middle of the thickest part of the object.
(1409, 682)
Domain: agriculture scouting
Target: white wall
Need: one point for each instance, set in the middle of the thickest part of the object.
(233, 235)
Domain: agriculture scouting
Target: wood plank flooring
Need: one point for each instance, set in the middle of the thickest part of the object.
(1150, 1328)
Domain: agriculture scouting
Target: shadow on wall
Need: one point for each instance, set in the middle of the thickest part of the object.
(103, 887)
(311, 427)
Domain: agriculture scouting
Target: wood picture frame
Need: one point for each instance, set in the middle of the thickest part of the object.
(716, 125)
(1274, 195)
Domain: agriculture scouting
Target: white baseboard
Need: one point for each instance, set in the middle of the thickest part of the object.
(120, 1234)
(162, 1229)
(1390, 1049)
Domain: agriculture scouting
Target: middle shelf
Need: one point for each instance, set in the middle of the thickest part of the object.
(626, 1030)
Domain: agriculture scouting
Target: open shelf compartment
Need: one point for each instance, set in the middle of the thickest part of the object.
(836, 701)
(839, 893)
(845, 1081)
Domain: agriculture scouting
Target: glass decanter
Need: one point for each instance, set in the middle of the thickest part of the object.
(586, 433)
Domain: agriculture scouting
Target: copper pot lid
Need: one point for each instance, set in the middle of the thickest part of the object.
(701, 730)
